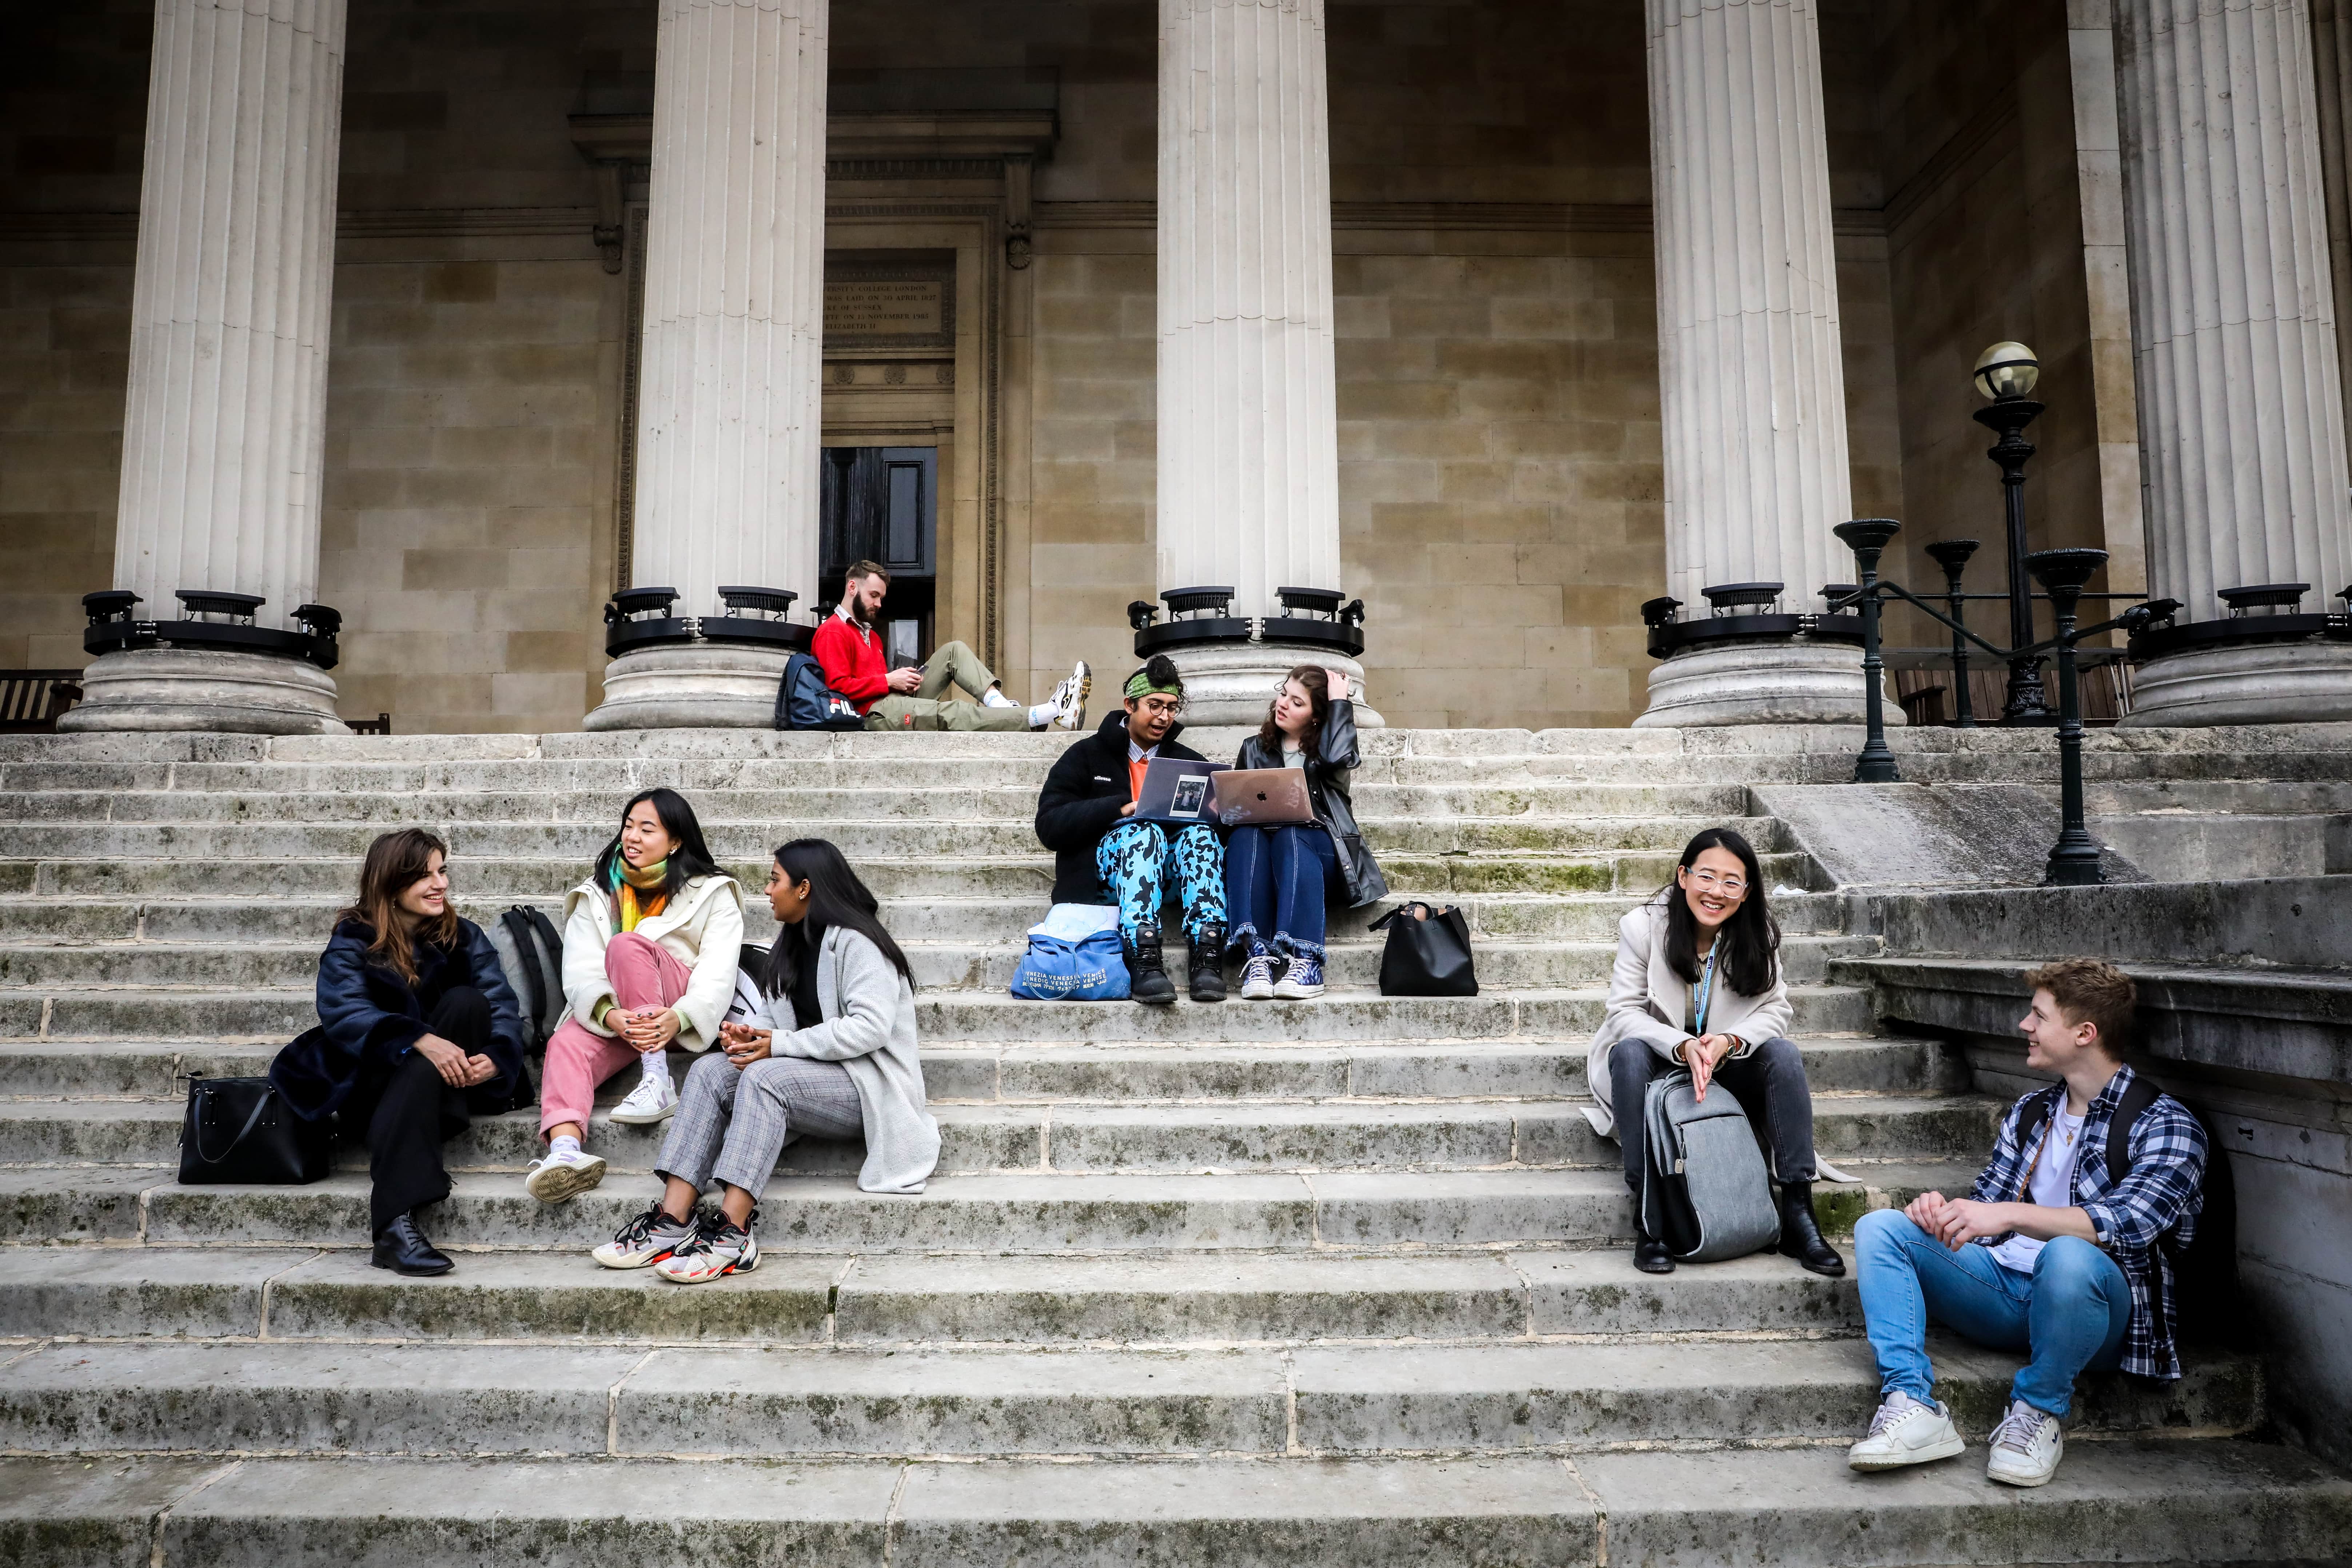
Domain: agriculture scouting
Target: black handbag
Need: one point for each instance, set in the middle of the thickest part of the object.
(1428, 953)
(241, 1129)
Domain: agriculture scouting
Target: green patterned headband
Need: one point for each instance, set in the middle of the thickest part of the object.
(1139, 685)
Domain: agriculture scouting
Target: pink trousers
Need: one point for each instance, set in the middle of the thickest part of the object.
(578, 1058)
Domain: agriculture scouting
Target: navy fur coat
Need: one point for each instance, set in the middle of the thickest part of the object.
(369, 1018)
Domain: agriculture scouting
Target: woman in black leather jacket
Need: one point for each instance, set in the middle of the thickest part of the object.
(1280, 881)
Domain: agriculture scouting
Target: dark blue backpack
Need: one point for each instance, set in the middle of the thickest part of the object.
(803, 701)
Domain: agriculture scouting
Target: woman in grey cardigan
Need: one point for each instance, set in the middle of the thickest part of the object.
(830, 1054)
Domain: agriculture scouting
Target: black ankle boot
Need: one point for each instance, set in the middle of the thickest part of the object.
(401, 1247)
(1801, 1234)
(1207, 964)
(1650, 1255)
(1147, 973)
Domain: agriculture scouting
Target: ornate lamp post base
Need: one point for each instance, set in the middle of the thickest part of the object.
(216, 690)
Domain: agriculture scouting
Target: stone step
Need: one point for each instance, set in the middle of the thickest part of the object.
(1344, 1135)
(217, 1292)
(742, 1401)
(1046, 1071)
(944, 1017)
(2148, 1503)
(1026, 1211)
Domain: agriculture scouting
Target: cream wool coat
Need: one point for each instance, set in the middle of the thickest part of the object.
(1648, 1002)
(702, 928)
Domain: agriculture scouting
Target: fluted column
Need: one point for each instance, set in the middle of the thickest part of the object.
(2234, 335)
(1752, 387)
(1248, 424)
(225, 421)
(730, 422)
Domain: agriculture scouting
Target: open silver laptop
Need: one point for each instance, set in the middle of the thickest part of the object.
(1262, 797)
(1177, 792)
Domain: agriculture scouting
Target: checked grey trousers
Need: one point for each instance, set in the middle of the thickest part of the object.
(732, 1122)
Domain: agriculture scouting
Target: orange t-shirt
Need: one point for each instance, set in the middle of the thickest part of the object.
(1136, 768)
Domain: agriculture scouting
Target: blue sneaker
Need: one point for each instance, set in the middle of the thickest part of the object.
(1257, 975)
(1302, 980)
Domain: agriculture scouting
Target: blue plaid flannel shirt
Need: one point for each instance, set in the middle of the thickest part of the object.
(2160, 1194)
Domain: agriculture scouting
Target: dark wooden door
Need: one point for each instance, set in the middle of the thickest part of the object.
(881, 504)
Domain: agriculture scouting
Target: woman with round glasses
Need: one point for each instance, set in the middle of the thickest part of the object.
(1697, 987)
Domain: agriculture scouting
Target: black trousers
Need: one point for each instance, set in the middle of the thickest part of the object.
(1769, 1083)
(417, 1111)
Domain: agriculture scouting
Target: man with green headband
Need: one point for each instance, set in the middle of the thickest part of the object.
(1102, 855)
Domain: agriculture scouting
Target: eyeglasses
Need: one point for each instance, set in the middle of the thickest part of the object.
(1153, 703)
(1730, 887)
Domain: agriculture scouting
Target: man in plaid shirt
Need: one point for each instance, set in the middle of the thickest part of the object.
(2045, 1254)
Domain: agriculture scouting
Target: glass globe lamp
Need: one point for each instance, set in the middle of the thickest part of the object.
(2007, 370)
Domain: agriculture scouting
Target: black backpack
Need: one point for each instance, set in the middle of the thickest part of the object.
(803, 701)
(2206, 1304)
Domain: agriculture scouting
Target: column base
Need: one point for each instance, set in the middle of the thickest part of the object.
(713, 686)
(177, 689)
(1775, 682)
(2261, 683)
(1232, 683)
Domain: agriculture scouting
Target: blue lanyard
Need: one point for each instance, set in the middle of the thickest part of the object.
(1705, 991)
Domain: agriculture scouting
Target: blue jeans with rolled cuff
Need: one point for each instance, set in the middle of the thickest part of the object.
(2069, 1314)
(1141, 863)
(1278, 883)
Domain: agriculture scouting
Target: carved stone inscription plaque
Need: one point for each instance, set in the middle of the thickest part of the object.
(878, 309)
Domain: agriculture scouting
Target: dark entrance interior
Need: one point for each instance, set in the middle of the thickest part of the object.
(881, 504)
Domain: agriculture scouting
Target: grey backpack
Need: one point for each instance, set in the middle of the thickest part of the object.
(531, 951)
(1705, 1194)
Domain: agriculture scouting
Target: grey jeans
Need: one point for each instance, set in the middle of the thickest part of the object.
(732, 1122)
(1771, 1080)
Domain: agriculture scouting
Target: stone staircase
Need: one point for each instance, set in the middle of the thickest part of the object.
(1335, 1281)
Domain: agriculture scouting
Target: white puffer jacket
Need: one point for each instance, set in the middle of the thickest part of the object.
(702, 929)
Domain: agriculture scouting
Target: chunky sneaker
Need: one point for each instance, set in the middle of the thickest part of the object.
(1069, 699)
(717, 1248)
(2026, 1447)
(564, 1174)
(1906, 1432)
(1301, 980)
(644, 1240)
(653, 1099)
(1257, 975)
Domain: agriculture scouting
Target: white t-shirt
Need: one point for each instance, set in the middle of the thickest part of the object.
(2052, 1186)
(1292, 757)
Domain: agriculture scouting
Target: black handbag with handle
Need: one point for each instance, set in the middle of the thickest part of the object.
(1428, 953)
(241, 1129)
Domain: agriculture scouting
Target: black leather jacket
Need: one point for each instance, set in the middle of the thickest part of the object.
(1326, 788)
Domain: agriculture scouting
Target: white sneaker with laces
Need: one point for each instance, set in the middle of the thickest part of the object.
(1906, 1432)
(2026, 1447)
(1069, 699)
(717, 1248)
(646, 1240)
(565, 1173)
(653, 1099)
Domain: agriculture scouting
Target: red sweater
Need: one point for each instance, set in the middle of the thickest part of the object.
(853, 661)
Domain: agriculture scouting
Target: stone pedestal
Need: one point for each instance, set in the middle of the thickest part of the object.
(1777, 682)
(728, 686)
(224, 420)
(1751, 386)
(1233, 683)
(728, 426)
(2234, 339)
(184, 688)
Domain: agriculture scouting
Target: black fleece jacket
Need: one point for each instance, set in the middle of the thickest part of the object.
(1081, 802)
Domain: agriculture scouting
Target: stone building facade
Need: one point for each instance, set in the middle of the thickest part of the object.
(1512, 315)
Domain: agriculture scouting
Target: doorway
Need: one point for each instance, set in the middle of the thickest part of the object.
(881, 504)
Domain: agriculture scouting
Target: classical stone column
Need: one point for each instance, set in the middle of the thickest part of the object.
(2233, 334)
(223, 426)
(1249, 462)
(1751, 386)
(729, 424)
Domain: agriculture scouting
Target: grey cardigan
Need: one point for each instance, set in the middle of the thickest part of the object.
(868, 1028)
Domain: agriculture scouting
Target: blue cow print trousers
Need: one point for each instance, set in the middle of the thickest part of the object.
(1142, 863)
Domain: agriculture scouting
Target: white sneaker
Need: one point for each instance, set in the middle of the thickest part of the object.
(1069, 699)
(1906, 1432)
(718, 1248)
(2026, 1447)
(646, 1240)
(653, 1099)
(564, 1176)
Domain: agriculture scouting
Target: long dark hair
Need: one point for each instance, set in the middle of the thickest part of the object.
(837, 898)
(1317, 687)
(396, 862)
(1747, 946)
(689, 857)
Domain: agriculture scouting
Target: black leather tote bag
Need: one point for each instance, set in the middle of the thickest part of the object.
(1428, 953)
(241, 1129)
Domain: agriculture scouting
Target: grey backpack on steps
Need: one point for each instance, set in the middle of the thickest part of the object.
(531, 951)
(1705, 1194)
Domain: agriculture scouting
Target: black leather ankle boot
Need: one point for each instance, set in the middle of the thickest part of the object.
(1147, 973)
(1207, 964)
(1801, 1234)
(1650, 1255)
(401, 1247)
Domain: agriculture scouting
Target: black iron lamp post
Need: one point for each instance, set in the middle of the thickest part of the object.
(1867, 538)
(2074, 859)
(1952, 555)
(2006, 372)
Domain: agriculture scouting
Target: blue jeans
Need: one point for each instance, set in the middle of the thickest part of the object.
(1143, 862)
(2070, 1313)
(1276, 882)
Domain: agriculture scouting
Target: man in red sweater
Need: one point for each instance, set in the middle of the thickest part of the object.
(849, 648)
